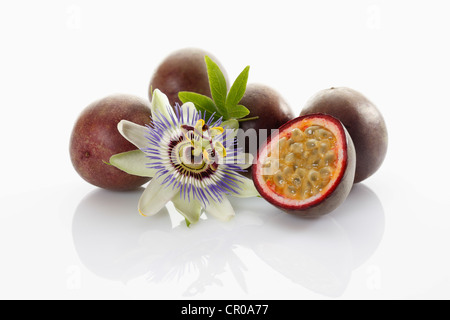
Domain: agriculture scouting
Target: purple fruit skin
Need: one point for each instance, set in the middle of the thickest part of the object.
(183, 70)
(95, 139)
(363, 121)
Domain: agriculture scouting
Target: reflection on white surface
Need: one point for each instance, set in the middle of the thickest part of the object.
(116, 243)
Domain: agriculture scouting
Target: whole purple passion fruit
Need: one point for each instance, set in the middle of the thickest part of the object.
(95, 139)
(306, 168)
(183, 70)
(363, 121)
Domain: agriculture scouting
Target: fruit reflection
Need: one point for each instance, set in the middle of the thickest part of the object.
(116, 243)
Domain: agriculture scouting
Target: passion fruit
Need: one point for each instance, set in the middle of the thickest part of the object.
(307, 168)
(183, 70)
(362, 119)
(95, 139)
(271, 110)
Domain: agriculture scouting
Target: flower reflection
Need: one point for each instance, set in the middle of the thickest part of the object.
(319, 255)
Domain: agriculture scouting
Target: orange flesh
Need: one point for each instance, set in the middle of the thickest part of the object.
(302, 163)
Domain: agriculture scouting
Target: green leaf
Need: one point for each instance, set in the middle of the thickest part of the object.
(202, 103)
(238, 112)
(223, 103)
(237, 90)
(132, 162)
(218, 86)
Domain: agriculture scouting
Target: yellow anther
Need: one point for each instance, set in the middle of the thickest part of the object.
(218, 146)
(205, 156)
(216, 131)
(199, 125)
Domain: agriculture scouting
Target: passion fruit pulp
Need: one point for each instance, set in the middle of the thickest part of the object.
(307, 168)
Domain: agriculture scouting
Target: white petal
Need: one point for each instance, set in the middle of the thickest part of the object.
(221, 210)
(245, 160)
(161, 106)
(133, 162)
(133, 133)
(191, 210)
(155, 197)
(247, 190)
(188, 109)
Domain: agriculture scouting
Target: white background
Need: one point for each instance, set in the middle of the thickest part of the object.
(63, 238)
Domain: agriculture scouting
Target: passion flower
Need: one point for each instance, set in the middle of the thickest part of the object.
(194, 161)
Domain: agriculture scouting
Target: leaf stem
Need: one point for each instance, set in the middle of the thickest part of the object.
(248, 119)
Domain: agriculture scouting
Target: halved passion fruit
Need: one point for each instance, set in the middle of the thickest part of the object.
(307, 167)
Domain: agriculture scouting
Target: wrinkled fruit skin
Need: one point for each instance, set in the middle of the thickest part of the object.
(183, 70)
(363, 121)
(270, 107)
(95, 139)
(332, 200)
